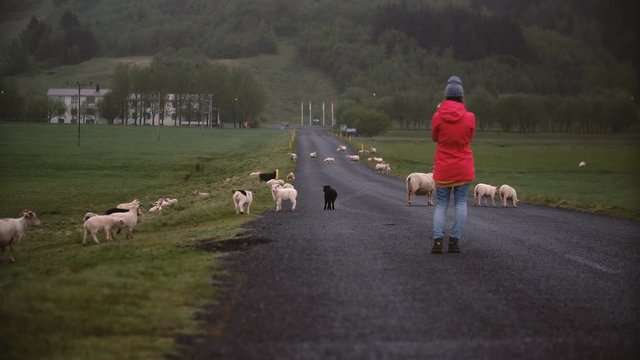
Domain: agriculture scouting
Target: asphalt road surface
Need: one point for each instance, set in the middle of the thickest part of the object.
(360, 282)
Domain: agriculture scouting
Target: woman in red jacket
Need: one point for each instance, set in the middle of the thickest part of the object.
(453, 128)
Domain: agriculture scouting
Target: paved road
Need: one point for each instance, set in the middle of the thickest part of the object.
(359, 282)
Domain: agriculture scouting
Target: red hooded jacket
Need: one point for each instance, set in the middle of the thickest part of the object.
(453, 127)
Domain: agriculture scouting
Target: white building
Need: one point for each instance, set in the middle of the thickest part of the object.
(88, 99)
(196, 110)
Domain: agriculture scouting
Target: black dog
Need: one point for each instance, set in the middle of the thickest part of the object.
(330, 196)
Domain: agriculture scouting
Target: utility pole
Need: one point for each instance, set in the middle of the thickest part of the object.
(79, 88)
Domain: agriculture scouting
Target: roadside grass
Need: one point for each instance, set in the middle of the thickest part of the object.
(130, 298)
(542, 167)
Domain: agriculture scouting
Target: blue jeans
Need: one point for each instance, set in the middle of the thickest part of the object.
(460, 210)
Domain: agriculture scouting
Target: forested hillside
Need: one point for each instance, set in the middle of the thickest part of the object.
(528, 65)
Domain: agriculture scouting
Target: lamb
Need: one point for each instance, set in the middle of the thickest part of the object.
(374, 150)
(383, 168)
(291, 177)
(506, 193)
(329, 160)
(420, 184)
(268, 176)
(12, 230)
(101, 222)
(341, 148)
(242, 200)
(582, 164)
(280, 193)
(161, 203)
(271, 182)
(130, 220)
(377, 159)
(293, 157)
(354, 158)
(313, 155)
(129, 205)
(254, 174)
(198, 193)
(481, 190)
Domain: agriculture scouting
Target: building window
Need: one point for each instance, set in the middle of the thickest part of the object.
(91, 100)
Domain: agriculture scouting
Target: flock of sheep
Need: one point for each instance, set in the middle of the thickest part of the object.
(423, 184)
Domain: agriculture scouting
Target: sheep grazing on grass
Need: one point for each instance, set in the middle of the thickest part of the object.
(272, 182)
(162, 203)
(96, 223)
(291, 177)
(377, 159)
(420, 184)
(130, 220)
(281, 193)
(242, 200)
(506, 193)
(198, 193)
(313, 155)
(293, 157)
(354, 158)
(129, 205)
(268, 176)
(374, 150)
(329, 160)
(254, 174)
(484, 190)
(582, 164)
(12, 230)
(383, 168)
(231, 180)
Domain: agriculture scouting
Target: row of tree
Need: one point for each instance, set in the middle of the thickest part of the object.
(139, 94)
(587, 113)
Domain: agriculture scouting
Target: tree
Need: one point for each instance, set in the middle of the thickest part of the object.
(368, 122)
(11, 102)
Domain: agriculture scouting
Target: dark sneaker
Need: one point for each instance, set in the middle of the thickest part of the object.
(437, 246)
(453, 245)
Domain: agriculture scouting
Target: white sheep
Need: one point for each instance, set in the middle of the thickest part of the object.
(420, 184)
(162, 203)
(374, 150)
(377, 159)
(242, 200)
(582, 164)
(383, 168)
(341, 148)
(130, 220)
(506, 193)
(291, 177)
(293, 156)
(481, 190)
(129, 205)
(329, 160)
(280, 193)
(198, 193)
(255, 174)
(313, 155)
(101, 222)
(354, 158)
(12, 230)
(272, 182)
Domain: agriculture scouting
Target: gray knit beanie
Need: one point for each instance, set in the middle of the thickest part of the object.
(454, 87)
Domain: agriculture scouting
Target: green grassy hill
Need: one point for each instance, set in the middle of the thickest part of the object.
(286, 80)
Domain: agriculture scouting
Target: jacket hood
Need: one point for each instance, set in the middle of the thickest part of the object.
(451, 111)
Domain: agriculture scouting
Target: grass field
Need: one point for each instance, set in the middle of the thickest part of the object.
(542, 167)
(127, 299)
